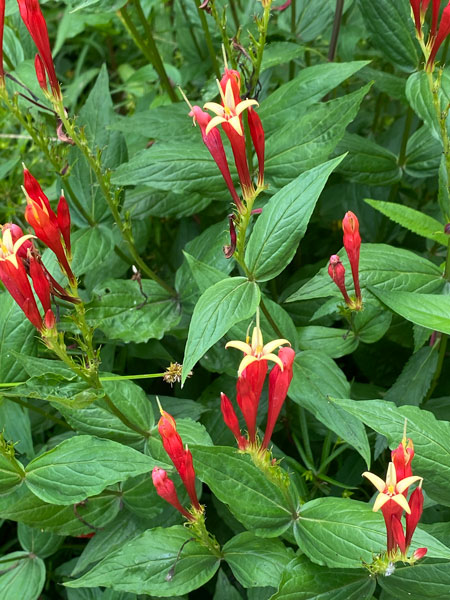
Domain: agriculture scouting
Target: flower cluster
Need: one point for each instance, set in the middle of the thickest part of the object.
(392, 501)
(20, 260)
(251, 375)
(229, 115)
(336, 270)
(34, 21)
(436, 36)
(182, 459)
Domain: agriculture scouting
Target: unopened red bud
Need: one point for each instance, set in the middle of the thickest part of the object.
(419, 553)
(165, 488)
(40, 72)
(352, 245)
(336, 271)
(50, 320)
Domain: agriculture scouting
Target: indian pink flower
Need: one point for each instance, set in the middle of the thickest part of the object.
(336, 271)
(180, 456)
(402, 457)
(352, 245)
(231, 420)
(165, 488)
(14, 277)
(442, 33)
(32, 16)
(52, 230)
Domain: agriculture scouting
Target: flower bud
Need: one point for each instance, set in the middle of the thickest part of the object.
(419, 553)
(352, 245)
(336, 271)
(416, 506)
(40, 72)
(165, 488)
(50, 320)
(231, 420)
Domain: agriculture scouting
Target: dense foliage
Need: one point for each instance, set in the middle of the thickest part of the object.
(196, 401)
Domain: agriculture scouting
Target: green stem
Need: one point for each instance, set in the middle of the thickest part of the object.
(125, 420)
(222, 27)
(336, 28)
(208, 40)
(440, 364)
(157, 60)
(38, 410)
(294, 35)
(191, 28)
(106, 378)
(305, 434)
(234, 14)
(112, 198)
(264, 25)
(270, 319)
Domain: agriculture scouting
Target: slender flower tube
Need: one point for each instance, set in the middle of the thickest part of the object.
(398, 534)
(415, 5)
(352, 245)
(50, 229)
(213, 142)
(165, 488)
(180, 456)
(231, 420)
(258, 139)
(434, 16)
(40, 283)
(279, 382)
(15, 278)
(33, 18)
(336, 271)
(442, 33)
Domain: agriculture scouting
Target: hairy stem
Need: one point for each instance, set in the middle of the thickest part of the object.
(208, 40)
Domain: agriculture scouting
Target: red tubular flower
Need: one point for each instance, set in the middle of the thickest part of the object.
(279, 382)
(443, 31)
(258, 139)
(402, 457)
(336, 271)
(352, 245)
(180, 456)
(434, 16)
(415, 5)
(249, 387)
(63, 216)
(231, 420)
(416, 506)
(238, 148)
(33, 18)
(14, 277)
(213, 142)
(165, 488)
(398, 534)
(234, 77)
(419, 553)
(282, 6)
(39, 67)
(40, 283)
(46, 225)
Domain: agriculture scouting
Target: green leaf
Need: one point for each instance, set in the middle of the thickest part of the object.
(415, 379)
(41, 543)
(423, 154)
(24, 577)
(173, 166)
(392, 31)
(370, 324)
(283, 222)
(23, 506)
(224, 589)
(422, 581)
(83, 466)
(331, 341)
(278, 53)
(430, 437)
(421, 100)
(141, 203)
(9, 476)
(414, 220)
(90, 247)
(427, 310)
(380, 265)
(153, 123)
(142, 565)
(367, 162)
(340, 532)
(254, 500)
(307, 581)
(15, 423)
(308, 141)
(98, 420)
(316, 377)
(121, 311)
(308, 87)
(16, 333)
(219, 308)
(256, 562)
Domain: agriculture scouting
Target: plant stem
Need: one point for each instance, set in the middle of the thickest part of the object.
(191, 29)
(406, 130)
(36, 409)
(305, 434)
(263, 26)
(112, 198)
(270, 319)
(336, 29)
(234, 14)
(157, 60)
(208, 40)
(294, 35)
(125, 420)
(106, 378)
(440, 363)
